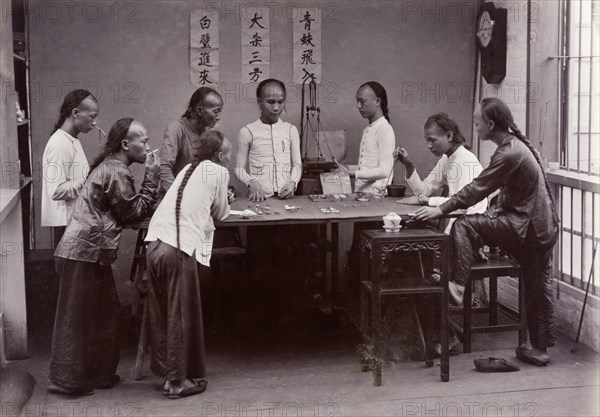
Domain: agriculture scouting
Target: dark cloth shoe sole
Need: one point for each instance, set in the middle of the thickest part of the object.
(198, 388)
(167, 386)
(494, 365)
(57, 389)
(524, 354)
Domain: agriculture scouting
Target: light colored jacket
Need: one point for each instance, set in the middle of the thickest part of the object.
(64, 169)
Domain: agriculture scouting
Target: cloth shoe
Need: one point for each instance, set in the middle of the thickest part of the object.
(54, 388)
(454, 347)
(494, 365)
(198, 388)
(456, 292)
(526, 355)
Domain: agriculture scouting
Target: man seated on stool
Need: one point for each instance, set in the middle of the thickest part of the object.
(521, 219)
(457, 167)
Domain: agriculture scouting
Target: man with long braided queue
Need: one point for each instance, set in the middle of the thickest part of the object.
(180, 237)
(521, 219)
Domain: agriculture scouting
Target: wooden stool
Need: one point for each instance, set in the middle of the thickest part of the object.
(377, 247)
(138, 267)
(138, 276)
(492, 268)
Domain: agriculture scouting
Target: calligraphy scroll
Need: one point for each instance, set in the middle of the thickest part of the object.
(256, 44)
(204, 49)
(307, 44)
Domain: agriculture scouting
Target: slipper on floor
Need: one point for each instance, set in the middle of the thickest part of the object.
(524, 354)
(167, 386)
(198, 388)
(494, 365)
(73, 392)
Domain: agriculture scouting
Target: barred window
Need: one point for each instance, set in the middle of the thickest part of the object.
(581, 93)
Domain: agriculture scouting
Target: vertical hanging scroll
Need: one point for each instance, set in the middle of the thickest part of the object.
(204, 49)
(256, 44)
(307, 44)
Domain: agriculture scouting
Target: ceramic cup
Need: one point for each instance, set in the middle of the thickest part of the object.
(391, 221)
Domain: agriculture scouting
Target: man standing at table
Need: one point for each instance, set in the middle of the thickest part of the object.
(269, 147)
(376, 158)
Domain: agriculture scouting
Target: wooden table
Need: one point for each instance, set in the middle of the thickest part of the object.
(377, 249)
(306, 212)
(310, 212)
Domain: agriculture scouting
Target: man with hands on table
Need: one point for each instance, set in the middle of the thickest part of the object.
(269, 147)
(521, 219)
(457, 165)
(375, 161)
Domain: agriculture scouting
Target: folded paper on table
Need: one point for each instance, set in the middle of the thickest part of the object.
(336, 182)
(245, 213)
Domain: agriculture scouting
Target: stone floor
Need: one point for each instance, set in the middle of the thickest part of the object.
(309, 367)
(280, 359)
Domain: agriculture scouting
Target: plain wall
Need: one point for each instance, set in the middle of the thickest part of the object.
(136, 56)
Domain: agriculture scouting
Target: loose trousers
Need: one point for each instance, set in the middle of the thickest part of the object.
(175, 313)
(470, 232)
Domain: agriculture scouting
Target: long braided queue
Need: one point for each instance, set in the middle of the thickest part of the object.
(184, 182)
(502, 116)
(515, 130)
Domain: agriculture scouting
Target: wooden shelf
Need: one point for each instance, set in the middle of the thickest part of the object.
(10, 197)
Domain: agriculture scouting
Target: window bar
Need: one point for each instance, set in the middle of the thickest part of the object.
(565, 57)
(571, 238)
(579, 88)
(591, 95)
(556, 253)
(560, 235)
(593, 242)
(583, 240)
(564, 94)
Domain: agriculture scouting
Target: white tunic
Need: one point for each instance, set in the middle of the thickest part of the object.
(271, 155)
(455, 171)
(64, 170)
(204, 198)
(376, 158)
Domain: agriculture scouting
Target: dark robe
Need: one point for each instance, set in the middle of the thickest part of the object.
(521, 219)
